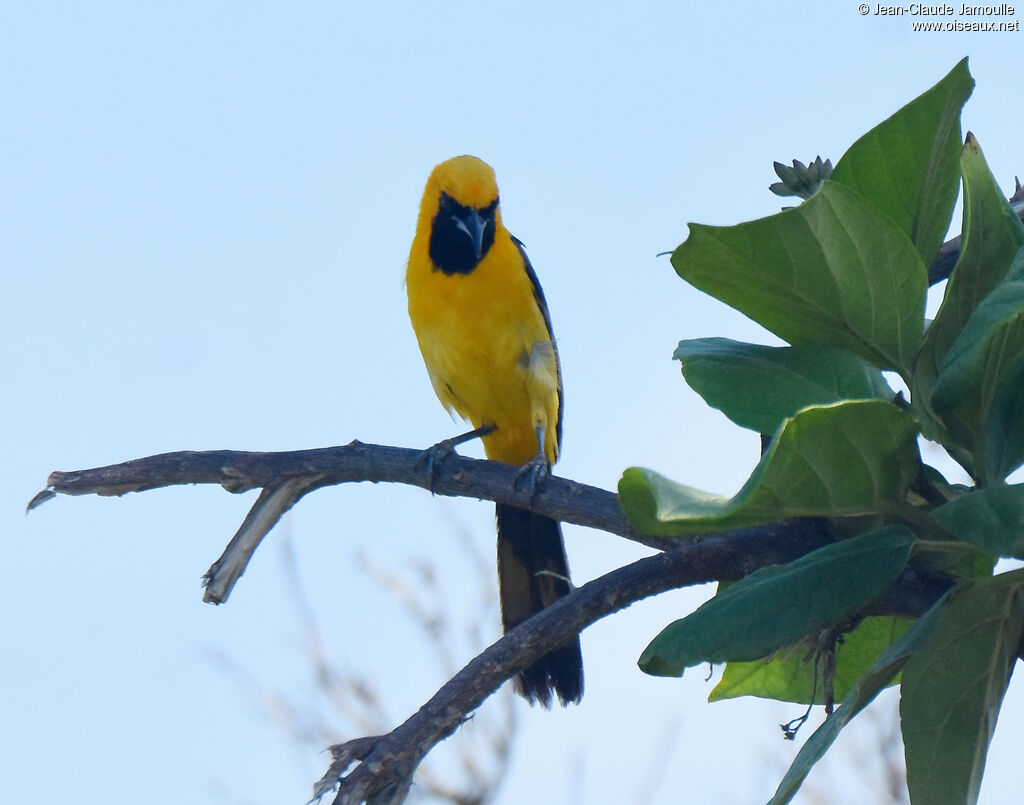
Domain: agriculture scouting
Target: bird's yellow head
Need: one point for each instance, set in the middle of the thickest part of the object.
(459, 214)
(467, 179)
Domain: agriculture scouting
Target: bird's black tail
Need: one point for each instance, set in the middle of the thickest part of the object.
(533, 573)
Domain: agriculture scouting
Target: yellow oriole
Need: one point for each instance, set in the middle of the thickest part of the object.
(483, 327)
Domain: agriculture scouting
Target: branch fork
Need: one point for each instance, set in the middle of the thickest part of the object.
(379, 769)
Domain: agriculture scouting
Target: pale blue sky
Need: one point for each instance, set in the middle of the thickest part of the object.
(205, 211)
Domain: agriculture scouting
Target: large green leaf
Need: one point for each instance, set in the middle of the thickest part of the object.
(861, 694)
(789, 675)
(853, 457)
(758, 387)
(779, 605)
(976, 371)
(832, 271)
(953, 688)
(907, 165)
(992, 236)
(991, 518)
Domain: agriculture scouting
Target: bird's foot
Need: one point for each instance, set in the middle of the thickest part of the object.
(433, 457)
(532, 474)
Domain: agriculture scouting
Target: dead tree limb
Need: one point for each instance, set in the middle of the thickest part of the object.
(285, 477)
(378, 769)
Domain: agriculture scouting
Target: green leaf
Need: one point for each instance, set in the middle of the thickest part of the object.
(992, 237)
(978, 368)
(907, 165)
(1004, 430)
(778, 605)
(832, 271)
(953, 688)
(861, 694)
(991, 518)
(991, 340)
(788, 676)
(853, 457)
(956, 558)
(758, 387)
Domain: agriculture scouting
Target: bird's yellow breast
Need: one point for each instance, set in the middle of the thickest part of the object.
(487, 347)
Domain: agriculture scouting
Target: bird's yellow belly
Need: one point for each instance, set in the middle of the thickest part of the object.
(490, 366)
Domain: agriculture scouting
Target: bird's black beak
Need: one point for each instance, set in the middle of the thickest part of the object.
(473, 224)
(460, 235)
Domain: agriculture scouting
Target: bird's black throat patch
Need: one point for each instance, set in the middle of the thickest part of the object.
(452, 249)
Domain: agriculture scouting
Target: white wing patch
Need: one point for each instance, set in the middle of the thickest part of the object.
(541, 367)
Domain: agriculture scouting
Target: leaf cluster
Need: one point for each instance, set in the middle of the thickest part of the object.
(843, 279)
